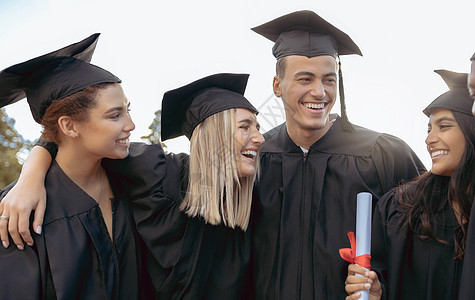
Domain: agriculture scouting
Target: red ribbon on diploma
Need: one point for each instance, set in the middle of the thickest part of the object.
(349, 254)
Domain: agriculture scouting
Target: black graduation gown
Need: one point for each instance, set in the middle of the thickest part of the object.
(467, 285)
(307, 203)
(74, 257)
(186, 258)
(413, 268)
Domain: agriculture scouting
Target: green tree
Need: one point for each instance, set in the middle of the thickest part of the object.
(11, 145)
(155, 128)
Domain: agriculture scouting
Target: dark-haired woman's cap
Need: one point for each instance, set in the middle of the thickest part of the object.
(307, 34)
(185, 107)
(53, 76)
(457, 99)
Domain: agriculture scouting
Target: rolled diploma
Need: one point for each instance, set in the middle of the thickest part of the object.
(363, 229)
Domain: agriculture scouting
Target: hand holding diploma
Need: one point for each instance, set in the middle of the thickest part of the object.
(360, 280)
(361, 283)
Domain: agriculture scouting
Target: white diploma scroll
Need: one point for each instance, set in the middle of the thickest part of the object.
(363, 229)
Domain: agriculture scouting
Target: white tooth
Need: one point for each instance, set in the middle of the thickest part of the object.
(249, 152)
(439, 152)
(123, 141)
(315, 105)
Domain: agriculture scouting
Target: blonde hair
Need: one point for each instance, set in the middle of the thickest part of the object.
(215, 191)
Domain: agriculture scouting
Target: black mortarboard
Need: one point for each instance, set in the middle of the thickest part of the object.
(457, 99)
(53, 76)
(185, 107)
(305, 33)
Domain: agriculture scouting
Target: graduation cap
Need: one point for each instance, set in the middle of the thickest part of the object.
(458, 98)
(307, 34)
(53, 76)
(185, 107)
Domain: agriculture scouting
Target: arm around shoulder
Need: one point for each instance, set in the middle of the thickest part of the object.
(141, 171)
(26, 195)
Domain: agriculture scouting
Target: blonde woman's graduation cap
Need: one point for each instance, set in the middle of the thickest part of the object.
(185, 107)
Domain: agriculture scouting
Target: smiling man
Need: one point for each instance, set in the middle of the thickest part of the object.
(314, 165)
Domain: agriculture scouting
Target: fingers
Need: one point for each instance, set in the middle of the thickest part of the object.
(354, 296)
(23, 227)
(355, 287)
(39, 216)
(4, 229)
(376, 289)
(357, 280)
(373, 276)
(13, 230)
(17, 226)
(355, 269)
(356, 283)
(18, 206)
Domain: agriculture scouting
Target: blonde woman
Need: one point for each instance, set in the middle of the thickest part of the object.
(193, 215)
(199, 248)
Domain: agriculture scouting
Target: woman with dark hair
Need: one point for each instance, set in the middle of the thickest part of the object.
(88, 248)
(420, 229)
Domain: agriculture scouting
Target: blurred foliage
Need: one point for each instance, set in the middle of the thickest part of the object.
(12, 148)
(155, 128)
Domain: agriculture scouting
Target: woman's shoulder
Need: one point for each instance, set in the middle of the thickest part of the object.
(390, 203)
(176, 180)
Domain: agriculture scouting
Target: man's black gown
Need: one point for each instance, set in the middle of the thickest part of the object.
(307, 203)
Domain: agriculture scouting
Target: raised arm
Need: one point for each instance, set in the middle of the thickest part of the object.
(24, 196)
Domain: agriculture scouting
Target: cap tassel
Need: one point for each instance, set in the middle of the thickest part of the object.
(345, 123)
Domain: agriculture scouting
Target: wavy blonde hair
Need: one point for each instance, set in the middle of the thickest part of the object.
(215, 191)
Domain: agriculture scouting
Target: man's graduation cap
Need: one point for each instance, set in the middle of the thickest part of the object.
(457, 99)
(305, 33)
(185, 107)
(53, 76)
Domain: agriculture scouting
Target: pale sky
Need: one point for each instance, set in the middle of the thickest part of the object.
(155, 46)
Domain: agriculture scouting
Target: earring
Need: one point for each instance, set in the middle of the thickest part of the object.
(77, 135)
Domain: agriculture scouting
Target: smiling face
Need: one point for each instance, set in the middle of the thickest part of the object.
(308, 90)
(248, 141)
(107, 130)
(445, 142)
